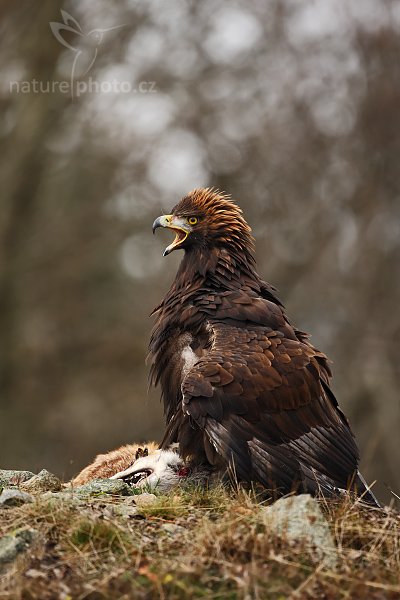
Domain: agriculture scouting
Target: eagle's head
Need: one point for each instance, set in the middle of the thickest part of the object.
(206, 218)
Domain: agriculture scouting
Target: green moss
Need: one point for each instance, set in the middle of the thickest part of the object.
(100, 535)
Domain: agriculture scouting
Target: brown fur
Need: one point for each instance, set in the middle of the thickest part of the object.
(106, 465)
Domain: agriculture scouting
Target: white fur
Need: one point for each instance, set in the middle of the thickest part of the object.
(161, 463)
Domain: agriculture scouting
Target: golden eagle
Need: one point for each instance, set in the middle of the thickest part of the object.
(244, 391)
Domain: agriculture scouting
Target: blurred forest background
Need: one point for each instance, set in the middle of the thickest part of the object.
(292, 107)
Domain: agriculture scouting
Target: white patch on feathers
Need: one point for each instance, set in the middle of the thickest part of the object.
(189, 359)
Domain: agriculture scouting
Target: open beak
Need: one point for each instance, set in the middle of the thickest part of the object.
(133, 476)
(178, 225)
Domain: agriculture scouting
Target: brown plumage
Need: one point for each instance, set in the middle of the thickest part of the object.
(243, 389)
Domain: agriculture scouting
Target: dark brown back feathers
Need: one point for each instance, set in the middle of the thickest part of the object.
(243, 389)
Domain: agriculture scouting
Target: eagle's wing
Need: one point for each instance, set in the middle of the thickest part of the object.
(265, 408)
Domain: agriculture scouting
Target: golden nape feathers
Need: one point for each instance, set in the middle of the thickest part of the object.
(220, 213)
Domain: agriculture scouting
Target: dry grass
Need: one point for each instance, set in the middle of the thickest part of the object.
(196, 544)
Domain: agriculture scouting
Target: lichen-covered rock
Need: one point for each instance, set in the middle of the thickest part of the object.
(125, 511)
(12, 545)
(97, 487)
(299, 518)
(66, 497)
(11, 477)
(145, 499)
(10, 497)
(42, 482)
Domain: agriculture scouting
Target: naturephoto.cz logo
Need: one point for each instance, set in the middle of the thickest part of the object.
(85, 47)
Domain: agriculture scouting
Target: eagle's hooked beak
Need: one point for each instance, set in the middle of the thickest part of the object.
(178, 224)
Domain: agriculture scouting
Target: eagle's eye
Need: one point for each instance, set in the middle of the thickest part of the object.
(192, 220)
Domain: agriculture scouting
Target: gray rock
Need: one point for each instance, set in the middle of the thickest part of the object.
(13, 497)
(13, 545)
(299, 518)
(42, 482)
(98, 487)
(11, 477)
(121, 510)
(145, 499)
(64, 497)
(172, 528)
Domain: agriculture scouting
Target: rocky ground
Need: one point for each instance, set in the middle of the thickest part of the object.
(106, 540)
